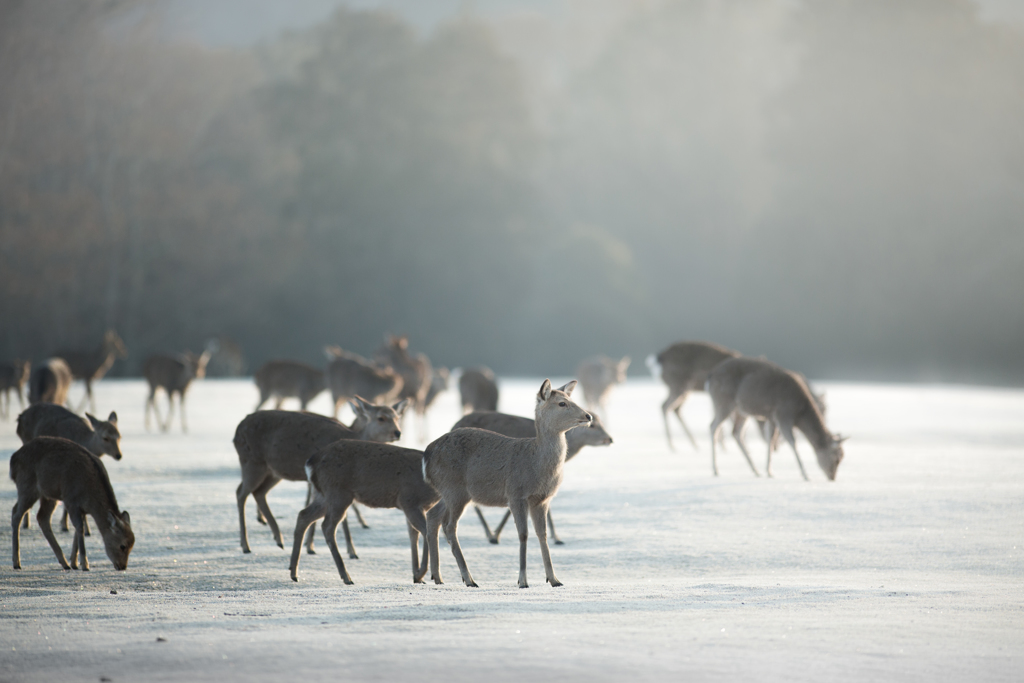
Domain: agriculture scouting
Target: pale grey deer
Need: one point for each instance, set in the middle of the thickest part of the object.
(350, 375)
(13, 375)
(414, 370)
(49, 382)
(753, 387)
(377, 475)
(524, 428)
(273, 445)
(478, 390)
(283, 379)
(173, 374)
(91, 365)
(49, 469)
(598, 375)
(476, 465)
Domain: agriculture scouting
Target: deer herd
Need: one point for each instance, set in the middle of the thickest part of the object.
(487, 459)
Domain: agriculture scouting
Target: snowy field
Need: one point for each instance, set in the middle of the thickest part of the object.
(907, 568)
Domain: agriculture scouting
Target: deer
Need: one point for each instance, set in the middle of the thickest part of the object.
(684, 367)
(274, 444)
(350, 375)
(378, 475)
(479, 390)
(174, 374)
(285, 378)
(49, 382)
(13, 375)
(476, 465)
(49, 469)
(92, 365)
(597, 376)
(754, 387)
(415, 371)
(97, 436)
(524, 428)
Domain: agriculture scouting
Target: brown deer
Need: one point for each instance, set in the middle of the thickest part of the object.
(287, 379)
(753, 387)
(684, 367)
(476, 465)
(49, 382)
(415, 371)
(478, 390)
(173, 374)
(525, 428)
(274, 444)
(13, 375)
(350, 375)
(377, 475)
(92, 365)
(49, 469)
(597, 376)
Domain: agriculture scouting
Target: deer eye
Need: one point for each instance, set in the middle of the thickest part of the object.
(122, 548)
(382, 419)
(562, 403)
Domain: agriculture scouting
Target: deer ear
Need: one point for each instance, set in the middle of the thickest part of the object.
(126, 518)
(545, 391)
(359, 404)
(568, 387)
(93, 420)
(401, 406)
(113, 418)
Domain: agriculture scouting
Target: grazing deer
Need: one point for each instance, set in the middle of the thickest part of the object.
(49, 382)
(274, 444)
(350, 375)
(753, 387)
(13, 375)
(415, 370)
(377, 475)
(49, 469)
(286, 379)
(479, 390)
(684, 367)
(173, 374)
(93, 365)
(476, 465)
(598, 374)
(525, 428)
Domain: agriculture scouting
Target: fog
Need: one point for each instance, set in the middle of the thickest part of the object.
(838, 185)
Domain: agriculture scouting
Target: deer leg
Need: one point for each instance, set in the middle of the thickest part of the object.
(451, 532)
(78, 544)
(435, 517)
(540, 514)
(738, 423)
(359, 517)
(25, 520)
(519, 507)
(771, 436)
(151, 405)
(551, 523)
(787, 434)
(493, 538)
(417, 523)
(170, 412)
(668, 405)
(679, 416)
(310, 532)
(181, 409)
(5, 409)
(46, 506)
(349, 547)
(307, 516)
(716, 424)
(260, 495)
(18, 513)
(330, 527)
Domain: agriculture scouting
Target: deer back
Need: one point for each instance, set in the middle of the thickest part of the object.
(377, 474)
(49, 382)
(478, 389)
(46, 419)
(289, 378)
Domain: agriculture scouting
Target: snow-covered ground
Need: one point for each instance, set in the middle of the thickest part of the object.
(907, 567)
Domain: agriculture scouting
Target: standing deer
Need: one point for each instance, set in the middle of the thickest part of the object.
(93, 365)
(415, 370)
(598, 374)
(93, 434)
(173, 374)
(476, 465)
(286, 379)
(13, 375)
(525, 428)
(752, 387)
(350, 375)
(49, 469)
(376, 474)
(478, 390)
(274, 444)
(684, 367)
(49, 382)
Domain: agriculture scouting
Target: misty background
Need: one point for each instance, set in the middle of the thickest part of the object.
(836, 184)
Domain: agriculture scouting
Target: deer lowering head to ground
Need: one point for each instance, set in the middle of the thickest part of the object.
(274, 444)
(173, 374)
(375, 474)
(49, 469)
(49, 382)
(350, 375)
(684, 367)
(288, 379)
(524, 428)
(93, 364)
(479, 390)
(598, 374)
(13, 375)
(752, 387)
(476, 465)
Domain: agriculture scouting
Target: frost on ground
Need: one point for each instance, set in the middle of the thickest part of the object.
(908, 567)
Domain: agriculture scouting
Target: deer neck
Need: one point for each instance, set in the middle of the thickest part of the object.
(813, 427)
(552, 447)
